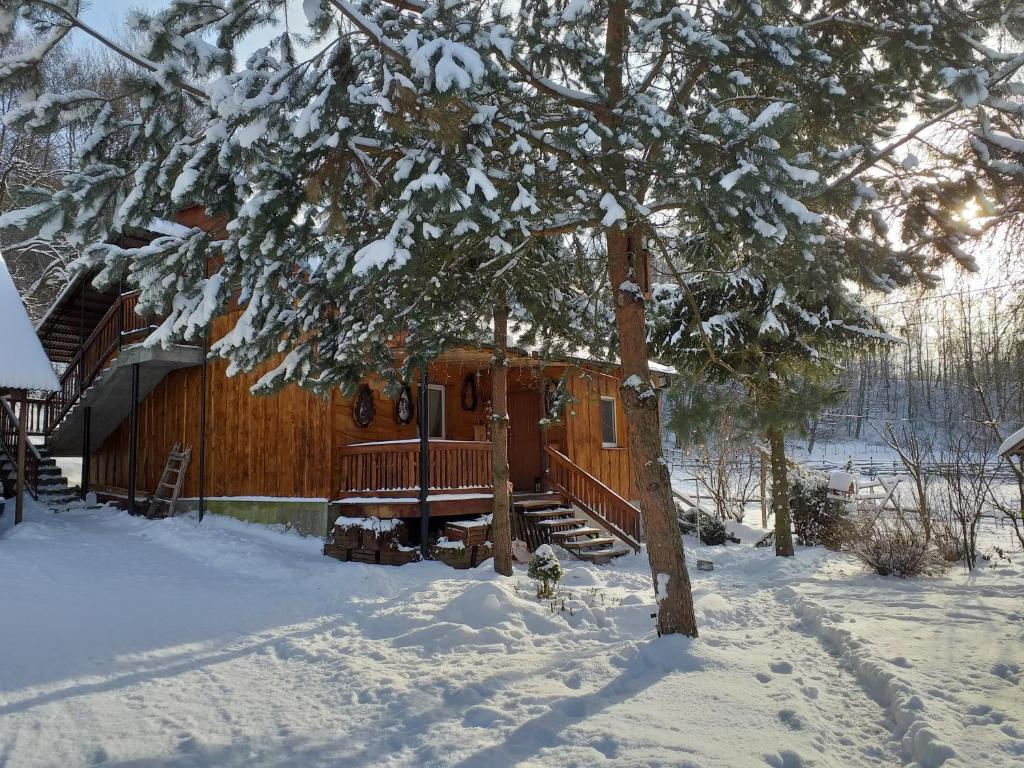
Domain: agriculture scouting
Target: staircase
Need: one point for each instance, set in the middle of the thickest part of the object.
(549, 519)
(52, 486)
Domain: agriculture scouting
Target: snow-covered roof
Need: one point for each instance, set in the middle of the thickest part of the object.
(23, 363)
(1013, 444)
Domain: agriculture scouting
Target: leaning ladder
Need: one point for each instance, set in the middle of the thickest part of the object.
(170, 482)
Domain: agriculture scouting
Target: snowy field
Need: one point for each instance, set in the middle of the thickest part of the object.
(128, 642)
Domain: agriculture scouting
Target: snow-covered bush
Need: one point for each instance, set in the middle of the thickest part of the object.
(712, 529)
(894, 550)
(816, 520)
(546, 570)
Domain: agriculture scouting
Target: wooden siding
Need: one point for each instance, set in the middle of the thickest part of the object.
(286, 445)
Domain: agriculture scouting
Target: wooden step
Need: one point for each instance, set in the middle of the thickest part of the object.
(538, 504)
(600, 543)
(574, 522)
(546, 514)
(602, 555)
(586, 531)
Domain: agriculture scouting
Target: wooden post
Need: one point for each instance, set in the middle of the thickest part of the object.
(502, 517)
(133, 440)
(424, 494)
(86, 448)
(202, 430)
(19, 500)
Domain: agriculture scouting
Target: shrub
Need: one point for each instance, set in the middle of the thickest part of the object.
(712, 529)
(894, 550)
(546, 570)
(816, 519)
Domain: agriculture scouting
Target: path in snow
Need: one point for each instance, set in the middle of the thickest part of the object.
(151, 643)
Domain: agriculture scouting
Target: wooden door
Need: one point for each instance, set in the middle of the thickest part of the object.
(524, 447)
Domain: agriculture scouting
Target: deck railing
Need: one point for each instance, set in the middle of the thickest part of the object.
(36, 416)
(121, 324)
(389, 467)
(605, 506)
(9, 445)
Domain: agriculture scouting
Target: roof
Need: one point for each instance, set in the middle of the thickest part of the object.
(1013, 444)
(25, 364)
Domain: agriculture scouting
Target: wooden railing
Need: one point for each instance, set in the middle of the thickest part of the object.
(605, 506)
(387, 468)
(119, 325)
(36, 416)
(9, 445)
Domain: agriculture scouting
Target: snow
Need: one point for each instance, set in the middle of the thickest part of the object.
(25, 365)
(613, 212)
(1011, 443)
(135, 642)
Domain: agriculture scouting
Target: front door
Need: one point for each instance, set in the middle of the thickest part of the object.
(524, 438)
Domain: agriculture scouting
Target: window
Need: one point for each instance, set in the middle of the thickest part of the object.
(435, 411)
(609, 426)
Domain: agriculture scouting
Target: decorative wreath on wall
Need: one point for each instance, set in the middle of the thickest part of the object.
(362, 408)
(469, 393)
(552, 396)
(404, 409)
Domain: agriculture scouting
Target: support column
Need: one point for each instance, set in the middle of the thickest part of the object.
(19, 499)
(202, 431)
(424, 461)
(86, 449)
(133, 440)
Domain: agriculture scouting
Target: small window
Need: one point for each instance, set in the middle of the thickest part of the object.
(435, 411)
(609, 426)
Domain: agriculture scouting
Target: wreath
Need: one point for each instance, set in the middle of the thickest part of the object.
(552, 396)
(469, 393)
(404, 408)
(362, 409)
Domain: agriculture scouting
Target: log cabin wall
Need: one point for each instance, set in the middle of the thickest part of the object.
(284, 445)
(255, 446)
(583, 430)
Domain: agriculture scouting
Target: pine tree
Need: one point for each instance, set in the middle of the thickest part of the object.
(422, 144)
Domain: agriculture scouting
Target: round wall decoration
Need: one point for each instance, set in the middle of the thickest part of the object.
(404, 409)
(362, 408)
(469, 394)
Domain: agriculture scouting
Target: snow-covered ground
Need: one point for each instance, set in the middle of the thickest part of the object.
(133, 642)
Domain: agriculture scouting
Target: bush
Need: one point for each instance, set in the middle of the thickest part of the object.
(894, 550)
(816, 519)
(712, 529)
(546, 570)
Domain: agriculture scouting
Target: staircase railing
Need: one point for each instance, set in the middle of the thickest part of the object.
(119, 324)
(605, 506)
(389, 467)
(9, 445)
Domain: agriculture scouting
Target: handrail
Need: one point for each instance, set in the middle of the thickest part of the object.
(9, 444)
(119, 322)
(604, 505)
(394, 466)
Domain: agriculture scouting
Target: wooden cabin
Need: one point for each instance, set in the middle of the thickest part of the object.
(301, 459)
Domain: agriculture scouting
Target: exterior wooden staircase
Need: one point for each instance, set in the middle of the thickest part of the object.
(551, 519)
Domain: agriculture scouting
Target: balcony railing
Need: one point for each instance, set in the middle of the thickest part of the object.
(392, 468)
(119, 326)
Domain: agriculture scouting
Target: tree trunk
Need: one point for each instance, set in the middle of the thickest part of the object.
(639, 398)
(780, 493)
(501, 522)
(640, 405)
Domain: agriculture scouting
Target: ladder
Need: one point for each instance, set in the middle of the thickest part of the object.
(170, 482)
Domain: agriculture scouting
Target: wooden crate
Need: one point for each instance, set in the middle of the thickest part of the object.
(470, 532)
(462, 557)
(357, 535)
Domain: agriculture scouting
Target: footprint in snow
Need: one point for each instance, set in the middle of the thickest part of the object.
(901, 661)
(763, 677)
(1009, 671)
(480, 717)
(790, 718)
(786, 758)
(781, 667)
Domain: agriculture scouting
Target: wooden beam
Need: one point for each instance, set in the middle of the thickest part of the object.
(19, 501)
